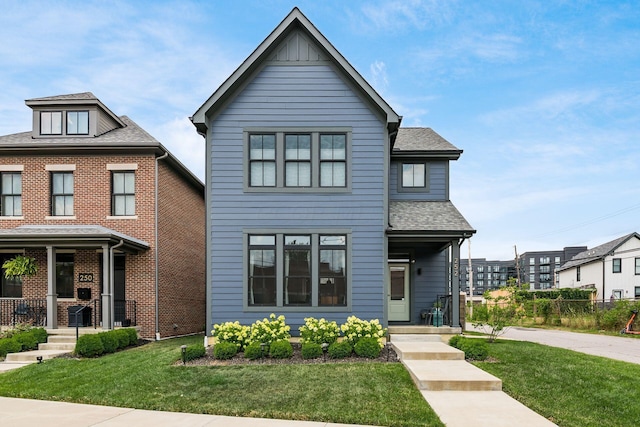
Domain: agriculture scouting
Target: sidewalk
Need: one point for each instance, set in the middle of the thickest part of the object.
(39, 413)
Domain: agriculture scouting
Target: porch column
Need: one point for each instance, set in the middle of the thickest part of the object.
(455, 284)
(52, 295)
(107, 319)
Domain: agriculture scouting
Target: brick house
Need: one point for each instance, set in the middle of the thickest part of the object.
(114, 221)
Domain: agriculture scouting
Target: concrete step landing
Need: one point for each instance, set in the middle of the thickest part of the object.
(32, 356)
(408, 350)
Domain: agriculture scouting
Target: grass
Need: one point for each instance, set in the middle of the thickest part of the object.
(145, 378)
(571, 389)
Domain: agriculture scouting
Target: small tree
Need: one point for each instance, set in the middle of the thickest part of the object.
(20, 266)
(502, 310)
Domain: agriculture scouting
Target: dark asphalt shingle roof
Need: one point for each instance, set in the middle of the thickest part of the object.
(421, 139)
(131, 135)
(597, 253)
(425, 216)
(67, 97)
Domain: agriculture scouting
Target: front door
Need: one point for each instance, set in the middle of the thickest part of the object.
(398, 301)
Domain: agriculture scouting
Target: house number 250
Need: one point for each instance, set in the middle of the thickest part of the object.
(85, 277)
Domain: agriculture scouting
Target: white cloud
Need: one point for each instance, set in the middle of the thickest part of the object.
(179, 136)
(405, 15)
(378, 79)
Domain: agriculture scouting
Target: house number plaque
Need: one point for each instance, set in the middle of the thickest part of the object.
(85, 277)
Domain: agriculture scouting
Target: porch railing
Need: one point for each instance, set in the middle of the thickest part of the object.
(32, 311)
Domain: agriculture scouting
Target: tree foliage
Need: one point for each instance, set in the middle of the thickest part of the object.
(19, 266)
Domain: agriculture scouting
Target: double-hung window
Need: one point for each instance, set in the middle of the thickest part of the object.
(333, 160)
(637, 266)
(297, 160)
(297, 270)
(617, 265)
(11, 193)
(123, 193)
(262, 160)
(51, 122)
(62, 193)
(77, 122)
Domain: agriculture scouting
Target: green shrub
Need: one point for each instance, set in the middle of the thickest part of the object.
(9, 345)
(122, 336)
(319, 331)
(473, 348)
(89, 345)
(195, 351)
(281, 349)
(40, 334)
(368, 347)
(133, 335)
(232, 332)
(311, 350)
(354, 329)
(453, 341)
(340, 350)
(269, 330)
(254, 351)
(27, 339)
(225, 350)
(109, 341)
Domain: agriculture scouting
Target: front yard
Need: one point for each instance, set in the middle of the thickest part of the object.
(146, 378)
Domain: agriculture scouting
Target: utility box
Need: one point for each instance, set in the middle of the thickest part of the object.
(84, 293)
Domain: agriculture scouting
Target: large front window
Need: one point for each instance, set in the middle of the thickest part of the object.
(262, 270)
(64, 275)
(123, 193)
(11, 194)
(62, 193)
(297, 269)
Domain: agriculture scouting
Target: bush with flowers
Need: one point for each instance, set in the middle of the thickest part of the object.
(269, 330)
(355, 329)
(319, 331)
(232, 332)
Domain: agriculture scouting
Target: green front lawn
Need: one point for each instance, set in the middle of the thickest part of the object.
(570, 388)
(145, 378)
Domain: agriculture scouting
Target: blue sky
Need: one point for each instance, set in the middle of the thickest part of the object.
(542, 96)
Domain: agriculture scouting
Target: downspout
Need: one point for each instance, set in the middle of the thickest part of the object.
(603, 278)
(157, 262)
(111, 281)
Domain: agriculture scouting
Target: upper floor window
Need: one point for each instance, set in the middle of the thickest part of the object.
(11, 200)
(637, 266)
(77, 122)
(262, 160)
(62, 193)
(333, 158)
(578, 273)
(414, 175)
(617, 265)
(123, 193)
(51, 122)
(557, 261)
(532, 261)
(297, 160)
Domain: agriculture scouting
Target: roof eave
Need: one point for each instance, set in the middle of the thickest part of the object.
(436, 154)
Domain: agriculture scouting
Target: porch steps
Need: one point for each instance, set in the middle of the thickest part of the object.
(32, 356)
(436, 366)
(59, 342)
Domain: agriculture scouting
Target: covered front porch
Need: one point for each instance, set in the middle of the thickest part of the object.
(80, 279)
(423, 285)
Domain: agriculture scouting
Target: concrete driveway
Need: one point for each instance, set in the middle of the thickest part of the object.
(613, 347)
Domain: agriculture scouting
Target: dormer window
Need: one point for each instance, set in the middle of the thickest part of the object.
(51, 123)
(77, 122)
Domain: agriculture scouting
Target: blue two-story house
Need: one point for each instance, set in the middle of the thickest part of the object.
(318, 202)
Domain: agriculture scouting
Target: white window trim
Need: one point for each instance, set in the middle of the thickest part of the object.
(122, 166)
(122, 217)
(60, 168)
(49, 217)
(11, 168)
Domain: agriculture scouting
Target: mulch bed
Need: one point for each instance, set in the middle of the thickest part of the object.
(387, 355)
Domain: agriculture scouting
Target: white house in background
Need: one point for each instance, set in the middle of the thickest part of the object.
(613, 269)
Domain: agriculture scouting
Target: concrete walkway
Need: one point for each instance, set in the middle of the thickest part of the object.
(460, 393)
(39, 413)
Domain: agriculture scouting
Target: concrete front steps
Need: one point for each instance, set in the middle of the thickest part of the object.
(436, 366)
(59, 342)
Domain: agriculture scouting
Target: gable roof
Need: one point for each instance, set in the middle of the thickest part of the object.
(295, 20)
(597, 253)
(415, 141)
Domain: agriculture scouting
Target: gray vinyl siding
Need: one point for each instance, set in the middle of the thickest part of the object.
(437, 180)
(297, 96)
(427, 286)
